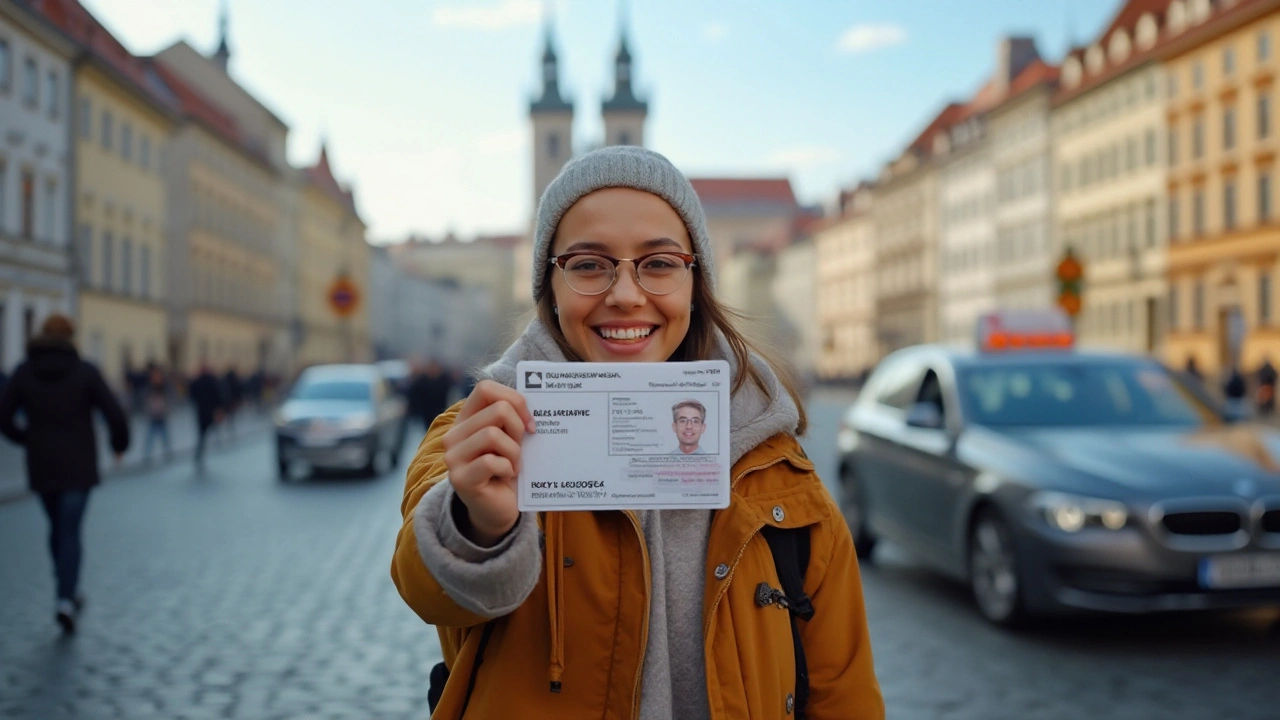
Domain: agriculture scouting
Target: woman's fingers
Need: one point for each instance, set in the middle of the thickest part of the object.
(488, 393)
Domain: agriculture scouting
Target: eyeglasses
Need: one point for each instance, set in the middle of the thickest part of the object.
(689, 421)
(657, 273)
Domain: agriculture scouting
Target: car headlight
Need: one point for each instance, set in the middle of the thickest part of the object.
(1073, 513)
(359, 421)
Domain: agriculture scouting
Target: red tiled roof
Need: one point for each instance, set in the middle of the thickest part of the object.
(953, 113)
(1130, 13)
(724, 191)
(321, 176)
(197, 107)
(1037, 73)
(78, 24)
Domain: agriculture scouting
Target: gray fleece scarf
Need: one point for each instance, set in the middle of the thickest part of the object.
(753, 416)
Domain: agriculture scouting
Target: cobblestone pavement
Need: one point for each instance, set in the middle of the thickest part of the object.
(236, 596)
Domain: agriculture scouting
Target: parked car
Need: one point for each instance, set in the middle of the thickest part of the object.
(1053, 479)
(340, 417)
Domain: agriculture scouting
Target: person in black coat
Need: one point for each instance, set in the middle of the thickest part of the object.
(206, 393)
(429, 393)
(58, 392)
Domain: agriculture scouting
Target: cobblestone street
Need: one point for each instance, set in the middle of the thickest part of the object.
(237, 596)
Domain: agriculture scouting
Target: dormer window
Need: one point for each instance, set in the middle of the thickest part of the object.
(1177, 17)
(1095, 60)
(1071, 72)
(1147, 31)
(1119, 47)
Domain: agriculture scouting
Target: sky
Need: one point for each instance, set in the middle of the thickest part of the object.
(424, 103)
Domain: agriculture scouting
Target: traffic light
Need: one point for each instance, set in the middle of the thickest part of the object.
(1070, 276)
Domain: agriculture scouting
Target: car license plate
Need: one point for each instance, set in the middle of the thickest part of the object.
(1251, 570)
(319, 440)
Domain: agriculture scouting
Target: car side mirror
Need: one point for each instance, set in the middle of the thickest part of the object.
(925, 415)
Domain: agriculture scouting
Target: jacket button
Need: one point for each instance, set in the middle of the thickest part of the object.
(791, 703)
(568, 561)
(722, 571)
(778, 514)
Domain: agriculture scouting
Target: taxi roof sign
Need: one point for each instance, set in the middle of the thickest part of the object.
(1014, 330)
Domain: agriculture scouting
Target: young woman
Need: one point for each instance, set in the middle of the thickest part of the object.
(650, 614)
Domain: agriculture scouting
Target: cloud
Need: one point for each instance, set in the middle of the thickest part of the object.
(716, 31)
(499, 16)
(867, 37)
(805, 156)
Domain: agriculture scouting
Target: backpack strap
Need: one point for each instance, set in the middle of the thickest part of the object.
(440, 675)
(790, 550)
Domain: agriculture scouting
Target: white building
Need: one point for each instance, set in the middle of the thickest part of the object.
(36, 272)
(845, 279)
(795, 294)
(966, 230)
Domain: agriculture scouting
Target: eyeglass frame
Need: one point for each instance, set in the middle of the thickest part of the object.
(689, 259)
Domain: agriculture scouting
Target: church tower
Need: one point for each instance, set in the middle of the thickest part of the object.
(624, 113)
(222, 56)
(552, 118)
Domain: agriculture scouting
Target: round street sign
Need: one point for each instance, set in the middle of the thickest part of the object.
(343, 297)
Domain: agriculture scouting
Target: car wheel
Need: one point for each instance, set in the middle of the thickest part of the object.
(370, 469)
(855, 513)
(994, 576)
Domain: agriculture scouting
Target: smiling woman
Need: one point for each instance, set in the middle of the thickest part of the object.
(635, 614)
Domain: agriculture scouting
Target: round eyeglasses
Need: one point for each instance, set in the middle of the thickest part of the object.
(588, 273)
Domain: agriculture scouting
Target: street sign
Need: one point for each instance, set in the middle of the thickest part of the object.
(344, 297)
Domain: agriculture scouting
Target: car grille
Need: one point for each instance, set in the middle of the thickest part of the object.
(1271, 521)
(1203, 523)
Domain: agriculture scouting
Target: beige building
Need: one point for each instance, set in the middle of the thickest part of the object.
(330, 246)
(905, 215)
(747, 214)
(845, 289)
(122, 120)
(1224, 255)
(231, 267)
(1109, 159)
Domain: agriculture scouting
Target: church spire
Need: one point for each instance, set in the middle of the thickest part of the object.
(624, 98)
(222, 56)
(550, 100)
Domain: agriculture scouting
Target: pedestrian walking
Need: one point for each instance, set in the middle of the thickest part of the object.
(1267, 377)
(1192, 369)
(157, 408)
(1235, 389)
(429, 393)
(57, 392)
(205, 393)
(233, 396)
(650, 614)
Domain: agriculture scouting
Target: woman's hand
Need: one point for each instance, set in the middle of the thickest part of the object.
(482, 452)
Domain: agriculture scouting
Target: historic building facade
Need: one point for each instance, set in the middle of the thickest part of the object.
(845, 257)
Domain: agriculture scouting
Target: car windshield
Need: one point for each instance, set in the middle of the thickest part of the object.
(354, 390)
(1067, 395)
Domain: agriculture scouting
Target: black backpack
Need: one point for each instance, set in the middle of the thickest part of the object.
(790, 549)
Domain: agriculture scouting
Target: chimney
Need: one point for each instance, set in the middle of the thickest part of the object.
(1013, 56)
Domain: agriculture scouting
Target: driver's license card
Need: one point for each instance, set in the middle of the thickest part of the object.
(614, 436)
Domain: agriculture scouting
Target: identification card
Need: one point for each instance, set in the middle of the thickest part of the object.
(613, 436)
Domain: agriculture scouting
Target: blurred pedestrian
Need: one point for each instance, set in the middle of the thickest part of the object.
(1235, 389)
(58, 393)
(1192, 369)
(233, 395)
(429, 393)
(157, 407)
(205, 392)
(1267, 377)
(463, 384)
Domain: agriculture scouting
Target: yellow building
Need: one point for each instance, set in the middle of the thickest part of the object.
(121, 123)
(846, 289)
(1224, 256)
(331, 245)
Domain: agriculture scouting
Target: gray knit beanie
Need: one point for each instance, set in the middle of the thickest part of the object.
(620, 166)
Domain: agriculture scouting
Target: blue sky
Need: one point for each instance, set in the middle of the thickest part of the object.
(424, 103)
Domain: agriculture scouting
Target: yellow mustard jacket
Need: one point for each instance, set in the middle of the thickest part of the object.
(586, 622)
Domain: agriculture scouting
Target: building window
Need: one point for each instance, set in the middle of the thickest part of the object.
(624, 138)
(1197, 212)
(1173, 308)
(6, 65)
(1197, 138)
(144, 276)
(86, 253)
(51, 85)
(1150, 147)
(28, 204)
(126, 266)
(1264, 117)
(86, 118)
(1130, 154)
(144, 151)
(1264, 46)
(108, 127)
(1264, 300)
(1173, 146)
(30, 84)
(553, 145)
(1173, 85)
(108, 256)
(1197, 306)
(50, 204)
(1228, 128)
(1229, 204)
(1197, 76)
(126, 141)
(1228, 62)
(1264, 198)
